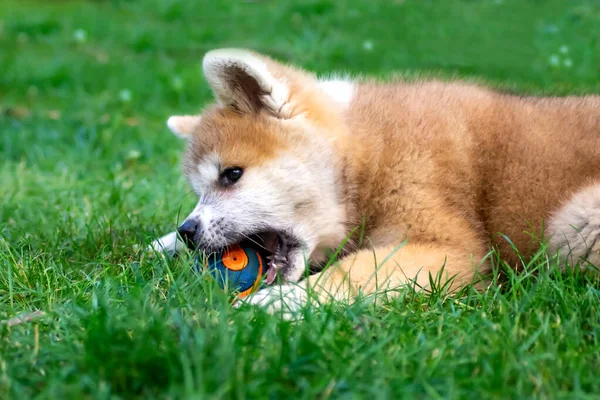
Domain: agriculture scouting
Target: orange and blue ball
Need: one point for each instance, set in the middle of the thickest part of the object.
(239, 268)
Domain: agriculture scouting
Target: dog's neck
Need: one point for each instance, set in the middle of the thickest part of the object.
(352, 170)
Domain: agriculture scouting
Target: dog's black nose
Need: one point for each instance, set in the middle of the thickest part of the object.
(187, 231)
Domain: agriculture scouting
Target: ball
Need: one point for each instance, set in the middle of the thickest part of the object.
(239, 268)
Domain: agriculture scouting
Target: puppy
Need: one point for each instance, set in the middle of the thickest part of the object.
(407, 180)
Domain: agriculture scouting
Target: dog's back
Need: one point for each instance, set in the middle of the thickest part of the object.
(505, 163)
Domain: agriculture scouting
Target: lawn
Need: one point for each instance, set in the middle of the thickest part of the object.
(88, 170)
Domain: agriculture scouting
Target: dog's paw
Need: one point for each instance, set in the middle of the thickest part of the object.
(166, 245)
(287, 299)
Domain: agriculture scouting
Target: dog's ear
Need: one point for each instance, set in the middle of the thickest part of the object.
(248, 82)
(183, 126)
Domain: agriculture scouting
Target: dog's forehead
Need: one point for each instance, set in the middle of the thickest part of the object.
(229, 139)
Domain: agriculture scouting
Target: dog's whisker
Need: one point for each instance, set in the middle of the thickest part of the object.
(255, 242)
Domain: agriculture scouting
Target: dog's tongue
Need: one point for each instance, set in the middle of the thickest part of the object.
(271, 274)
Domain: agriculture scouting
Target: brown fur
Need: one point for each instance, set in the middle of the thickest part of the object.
(450, 167)
(445, 166)
(241, 141)
(457, 161)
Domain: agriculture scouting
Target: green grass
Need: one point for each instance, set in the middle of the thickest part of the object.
(88, 170)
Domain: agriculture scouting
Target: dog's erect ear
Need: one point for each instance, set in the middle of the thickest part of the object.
(183, 126)
(245, 81)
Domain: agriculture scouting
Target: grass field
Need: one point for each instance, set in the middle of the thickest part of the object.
(88, 170)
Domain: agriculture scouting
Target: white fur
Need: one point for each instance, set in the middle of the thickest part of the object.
(208, 174)
(340, 90)
(169, 243)
(217, 65)
(205, 215)
(575, 229)
(182, 126)
(287, 299)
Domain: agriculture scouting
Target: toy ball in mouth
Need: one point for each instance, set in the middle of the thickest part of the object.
(239, 268)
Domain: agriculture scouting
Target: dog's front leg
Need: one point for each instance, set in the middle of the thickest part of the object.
(375, 272)
(169, 244)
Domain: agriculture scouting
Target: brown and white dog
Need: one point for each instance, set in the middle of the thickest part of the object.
(304, 164)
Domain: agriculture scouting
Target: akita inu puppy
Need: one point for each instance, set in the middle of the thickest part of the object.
(420, 177)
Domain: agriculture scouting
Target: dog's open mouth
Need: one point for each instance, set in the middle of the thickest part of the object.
(278, 246)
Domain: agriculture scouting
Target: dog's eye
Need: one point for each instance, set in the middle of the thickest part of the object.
(230, 176)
